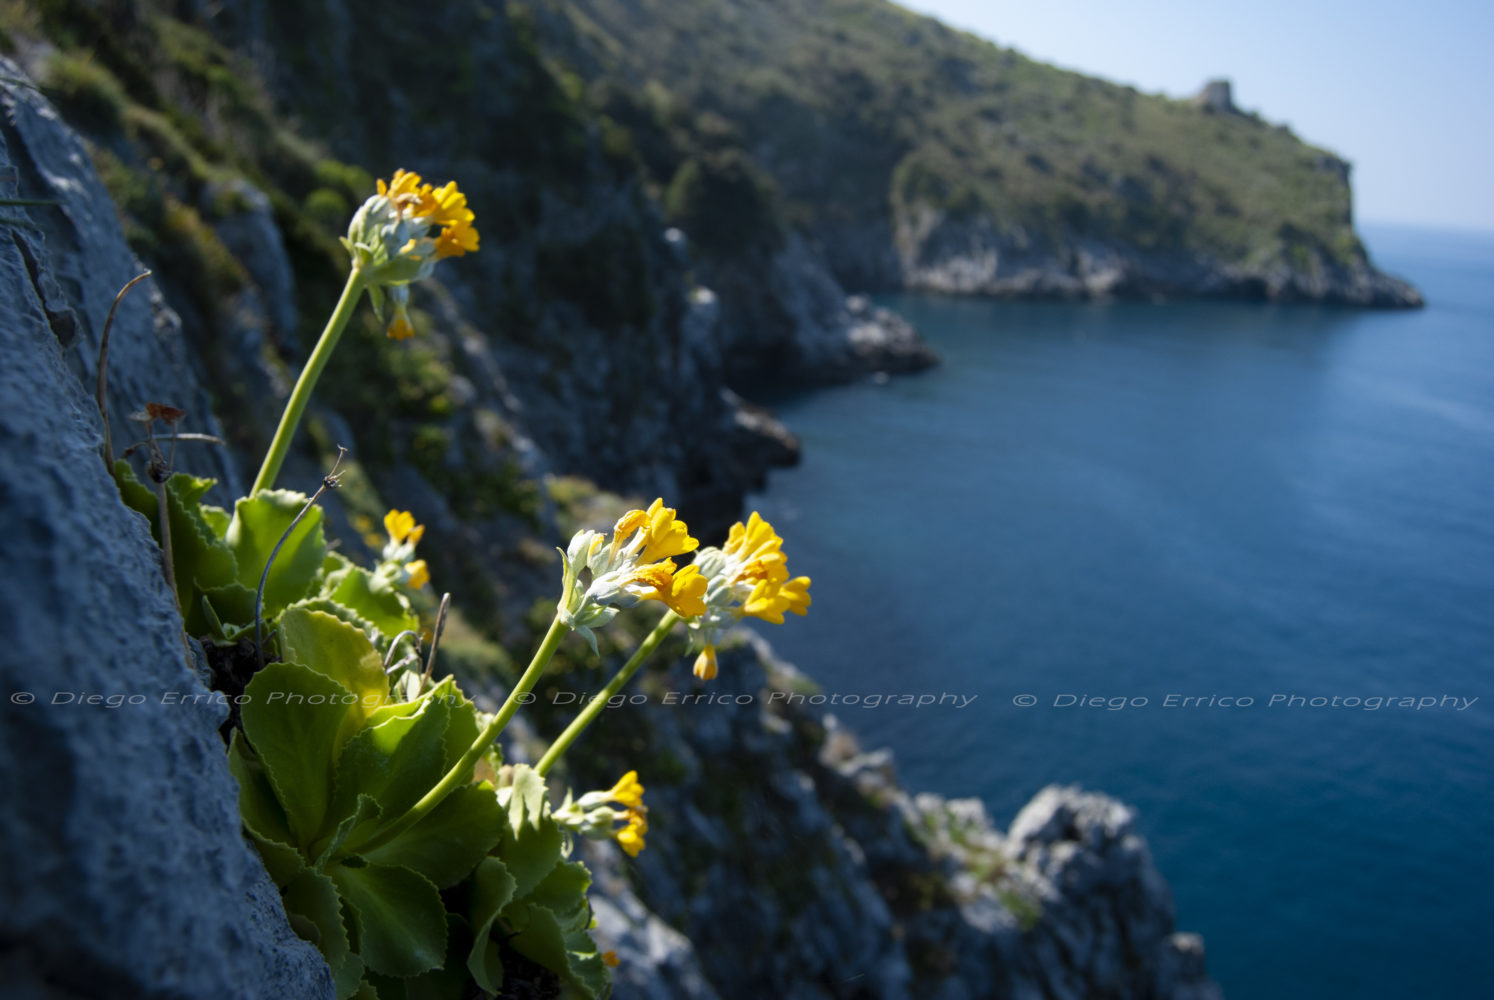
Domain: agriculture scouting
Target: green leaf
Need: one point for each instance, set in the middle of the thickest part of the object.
(340, 652)
(313, 897)
(531, 839)
(262, 815)
(374, 599)
(199, 558)
(563, 893)
(258, 806)
(258, 523)
(492, 889)
(448, 843)
(395, 763)
(463, 727)
(365, 810)
(293, 719)
(451, 981)
(217, 519)
(401, 921)
(570, 953)
(348, 978)
(233, 603)
(341, 612)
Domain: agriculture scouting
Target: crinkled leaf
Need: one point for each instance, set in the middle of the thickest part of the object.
(293, 719)
(258, 806)
(572, 954)
(450, 982)
(374, 599)
(395, 763)
(313, 897)
(233, 605)
(492, 889)
(401, 921)
(463, 727)
(199, 558)
(448, 843)
(563, 893)
(217, 519)
(258, 522)
(262, 815)
(348, 979)
(531, 839)
(341, 652)
(365, 810)
(341, 612)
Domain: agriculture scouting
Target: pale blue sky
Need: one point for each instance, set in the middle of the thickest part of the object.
(1404, 91)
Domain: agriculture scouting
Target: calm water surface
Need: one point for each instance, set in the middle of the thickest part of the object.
(1133, 501)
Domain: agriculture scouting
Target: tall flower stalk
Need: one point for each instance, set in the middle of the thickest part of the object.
(395, 238)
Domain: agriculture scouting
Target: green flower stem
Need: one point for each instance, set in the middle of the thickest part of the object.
(458, 774)
(595, 706)
(301, 394)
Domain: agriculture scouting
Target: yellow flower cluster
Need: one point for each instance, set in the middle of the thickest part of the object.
(444, 206)
(404, 535)
(746, 577)
(391, 243)
(593, 815)
(636, 565)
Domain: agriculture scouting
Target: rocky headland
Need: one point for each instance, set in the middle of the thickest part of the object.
(783, 859)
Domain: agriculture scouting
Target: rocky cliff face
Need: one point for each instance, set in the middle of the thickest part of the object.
(784, 859)
(798, 866)
(126, 873)
(937, 252)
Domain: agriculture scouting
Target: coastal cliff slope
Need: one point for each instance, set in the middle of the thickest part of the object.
(920, 157)
(137, 879)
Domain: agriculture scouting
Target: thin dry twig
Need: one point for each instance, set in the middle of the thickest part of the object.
(430, 663)
(102, 390)
(394, 643)
(330, 481)
(159, 470)
(186, 436)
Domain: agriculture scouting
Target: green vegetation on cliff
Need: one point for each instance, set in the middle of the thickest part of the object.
(867, 114)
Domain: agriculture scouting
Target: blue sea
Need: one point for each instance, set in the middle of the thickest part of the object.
(1272, 507)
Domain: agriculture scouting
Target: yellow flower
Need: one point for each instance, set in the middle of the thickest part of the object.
(594, 814)
(599, 578)
(705, 664)
(667, 535)
(682, 591)
(401, 526)
(397, 237)
(630, 837)
(403, 188)
(755, 546)
(455, 240)
(746, 577)
(400, 327)
(610, 959)
(627, 792)
(397, 561)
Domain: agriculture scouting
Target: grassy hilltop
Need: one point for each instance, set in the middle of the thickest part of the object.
(870, 118)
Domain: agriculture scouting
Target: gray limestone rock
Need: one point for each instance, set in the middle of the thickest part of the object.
(126, 872)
